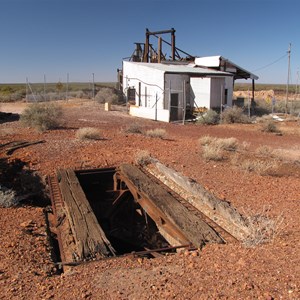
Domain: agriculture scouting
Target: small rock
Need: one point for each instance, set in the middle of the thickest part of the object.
(26, 224)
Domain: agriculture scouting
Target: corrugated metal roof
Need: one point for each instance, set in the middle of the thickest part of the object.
(180, 68)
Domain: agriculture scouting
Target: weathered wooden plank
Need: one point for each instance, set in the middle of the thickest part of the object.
(89, 237)
(195, 229)
(218, 210)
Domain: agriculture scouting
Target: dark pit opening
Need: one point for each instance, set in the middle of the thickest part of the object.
(125, 223)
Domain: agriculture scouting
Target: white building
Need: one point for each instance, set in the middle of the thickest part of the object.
(169, 91)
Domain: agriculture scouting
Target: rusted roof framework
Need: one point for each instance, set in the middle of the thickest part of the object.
(145, 52)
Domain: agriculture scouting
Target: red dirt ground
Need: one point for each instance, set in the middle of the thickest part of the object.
(268, 271)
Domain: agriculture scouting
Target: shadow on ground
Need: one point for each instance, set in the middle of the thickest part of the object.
(27, 185)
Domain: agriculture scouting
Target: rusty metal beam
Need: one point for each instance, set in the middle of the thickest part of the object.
(173, 47)
(173, 233)
(174, 221)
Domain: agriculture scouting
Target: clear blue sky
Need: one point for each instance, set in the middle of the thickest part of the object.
(81, 37)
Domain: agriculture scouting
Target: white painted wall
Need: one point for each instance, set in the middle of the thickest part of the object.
(206, 92)
(149, 113)
(151, 80)
(200, 91)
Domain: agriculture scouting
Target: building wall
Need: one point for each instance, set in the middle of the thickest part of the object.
(177, 94)
(206, 92)
(162, 96)
(217, 92)
(149, 91)
(200, 92)
(148, 84)
(150, 113)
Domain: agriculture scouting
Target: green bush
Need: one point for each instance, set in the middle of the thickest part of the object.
(42, 116)
(210, 117)
(234, 115)
(107, 95)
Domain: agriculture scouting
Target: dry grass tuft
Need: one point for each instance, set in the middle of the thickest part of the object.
(245, 146)
(206, 140)
(211, 152)
(133, 128)
(214, 148)
(263, 229)
(156, 133)
(265, 151)
(88, 133)
(229, 144)
(258, 166)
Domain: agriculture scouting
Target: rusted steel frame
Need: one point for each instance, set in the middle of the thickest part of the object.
(117, 182)
(134, 254)
(153, 211)
(94, 171)
(123, 194)
(139, 253)
(54, 209)
(172, 31)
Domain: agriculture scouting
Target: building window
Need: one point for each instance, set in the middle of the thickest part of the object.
(226, 96)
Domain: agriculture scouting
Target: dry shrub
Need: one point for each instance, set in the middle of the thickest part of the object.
(265, 151)
(88, 133)
(269, 126)
(213, 148)
(8, 197)
(260, 167)
(229, 144)
(142, 158)
(264, 118)
(263, 229)
(107, 95)
(156, 133)
(245, 146)
(206, 140)
(133, 128)
(42, 116)
(234, 115)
